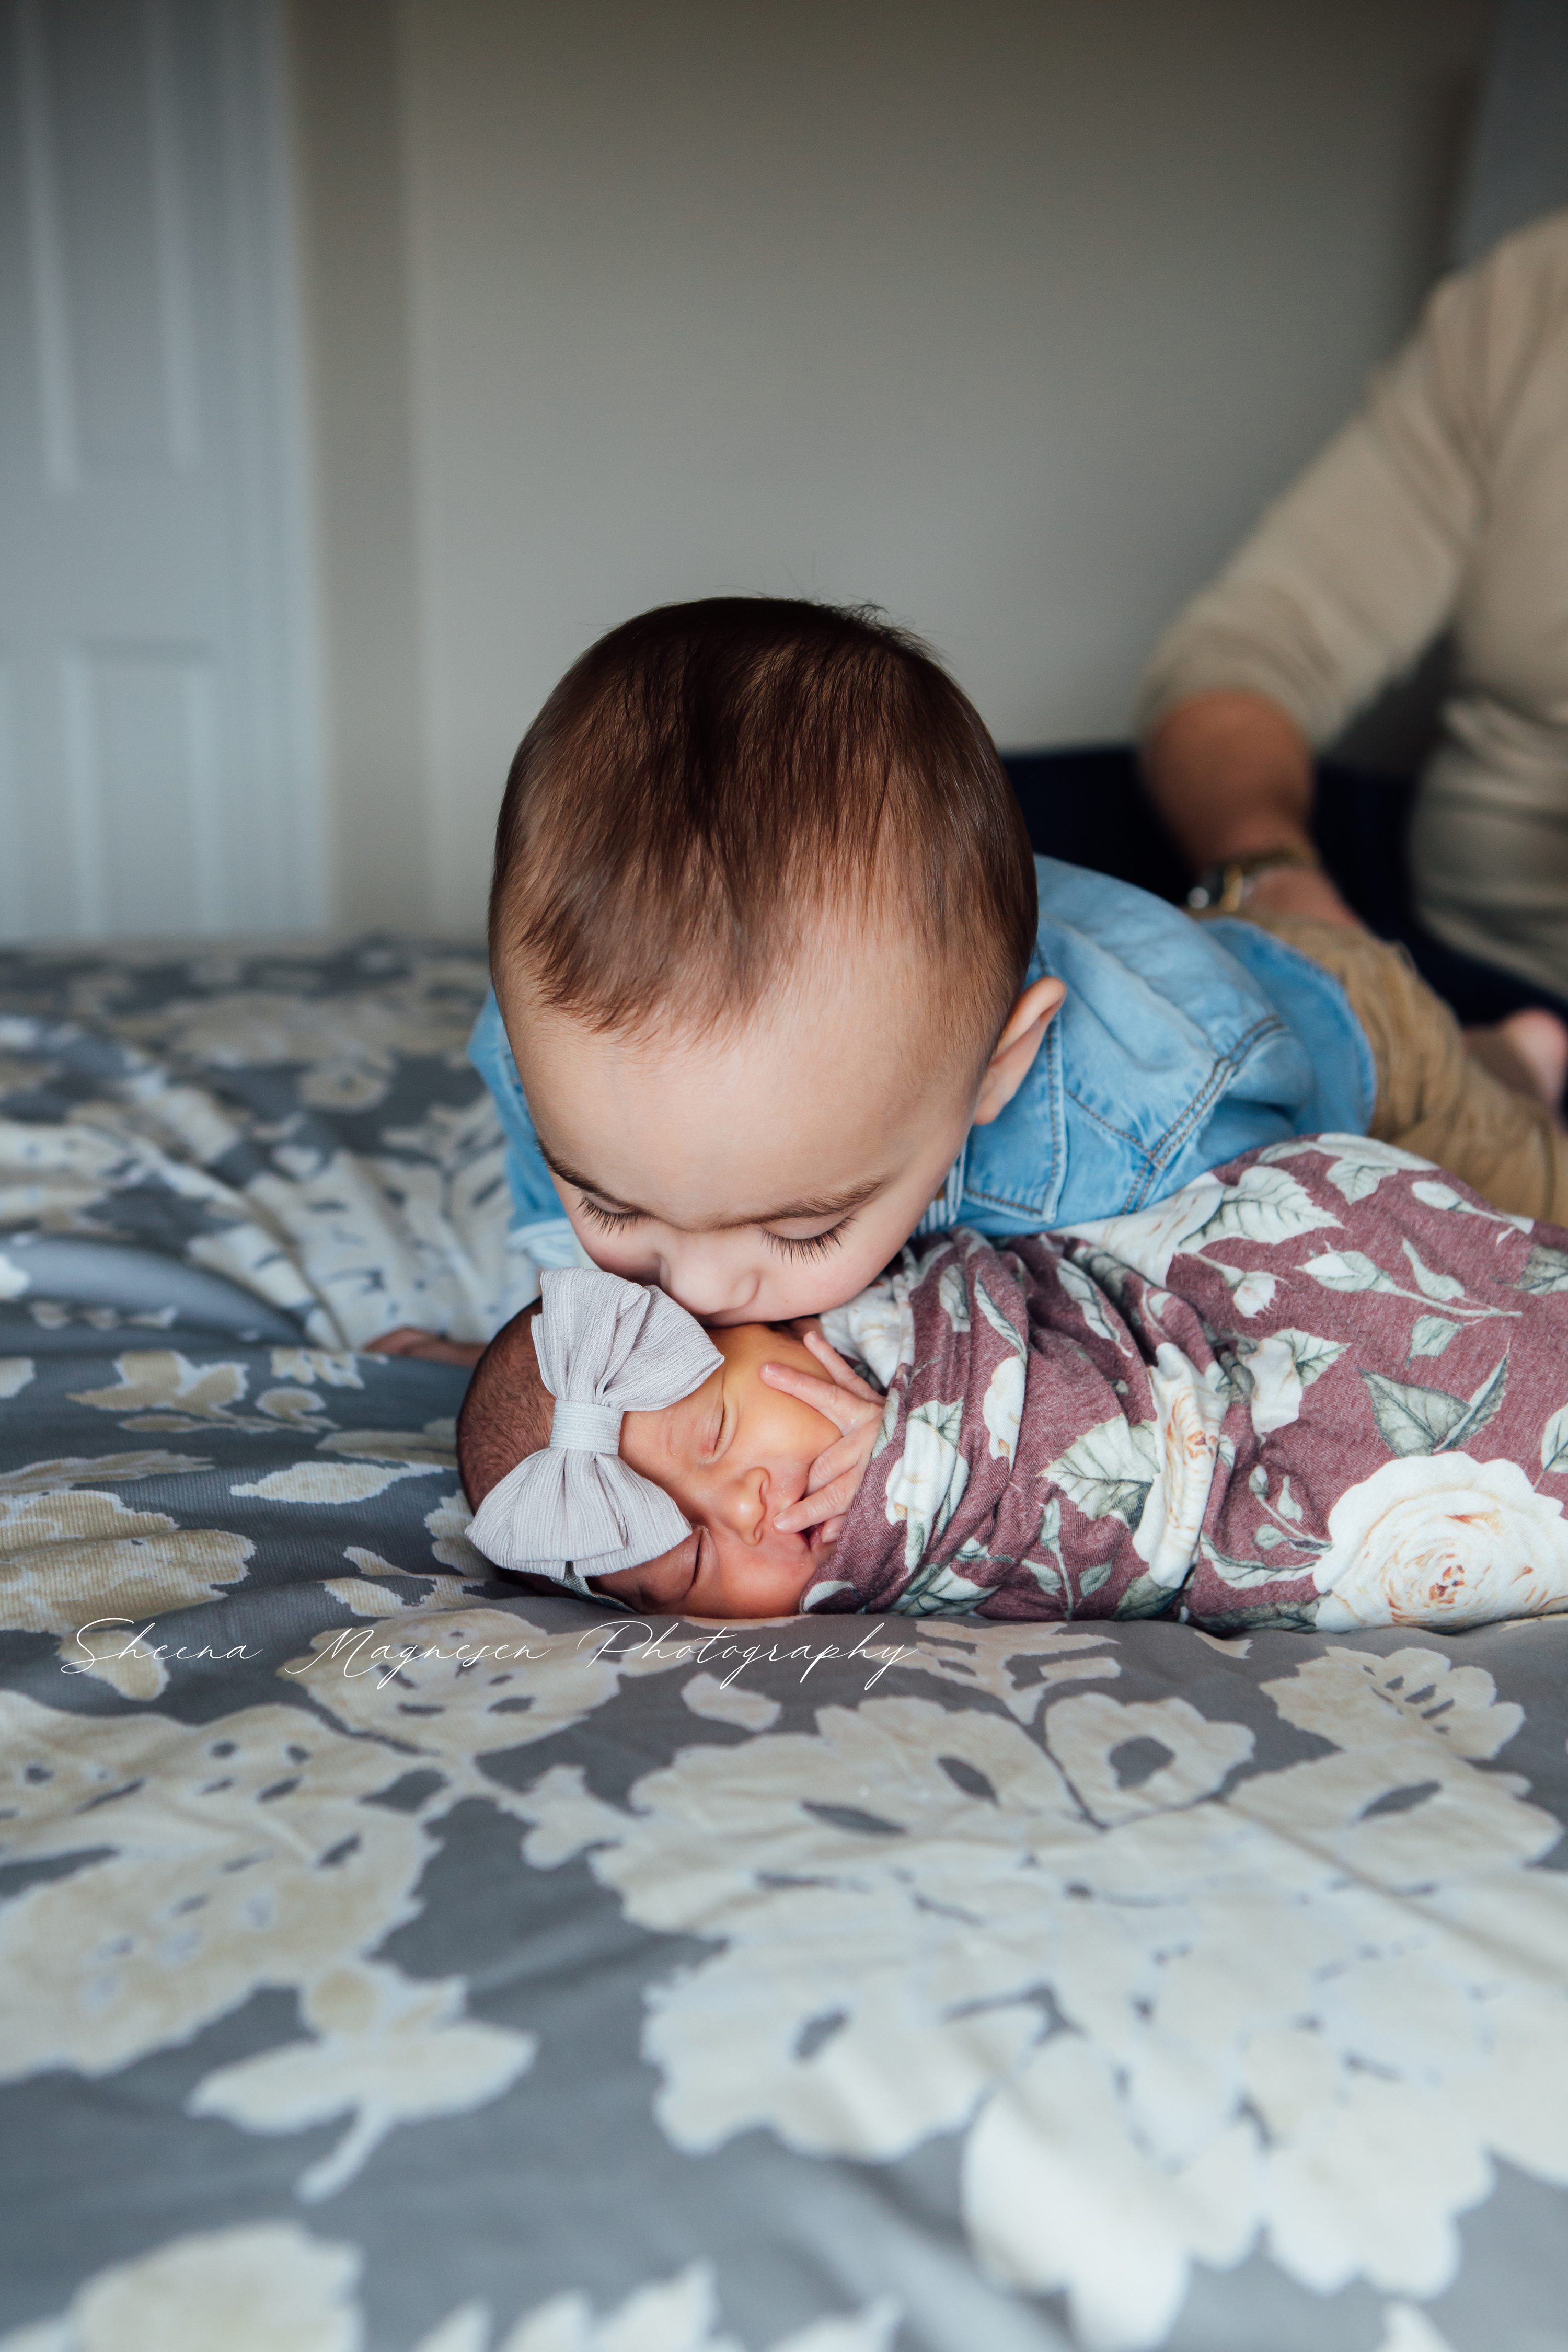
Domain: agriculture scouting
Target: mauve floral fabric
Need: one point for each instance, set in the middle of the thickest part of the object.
(1324, 1386)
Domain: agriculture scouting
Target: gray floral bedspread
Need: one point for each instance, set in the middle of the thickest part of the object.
(392, 1964)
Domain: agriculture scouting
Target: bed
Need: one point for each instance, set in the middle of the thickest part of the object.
(391, 1962)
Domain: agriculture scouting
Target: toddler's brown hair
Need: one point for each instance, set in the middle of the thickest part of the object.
(710, 780)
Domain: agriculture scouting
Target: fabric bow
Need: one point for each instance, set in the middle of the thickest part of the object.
(606, 1348)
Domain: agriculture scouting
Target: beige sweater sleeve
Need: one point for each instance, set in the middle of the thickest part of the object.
(1351, 574)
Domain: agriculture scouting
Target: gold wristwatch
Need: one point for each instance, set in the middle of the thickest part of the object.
(1225, 889)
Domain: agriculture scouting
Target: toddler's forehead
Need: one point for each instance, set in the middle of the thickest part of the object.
(819, 1076)
(843, 968)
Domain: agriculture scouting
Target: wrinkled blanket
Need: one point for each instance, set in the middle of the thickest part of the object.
(1323, 1386)
(871, 1986)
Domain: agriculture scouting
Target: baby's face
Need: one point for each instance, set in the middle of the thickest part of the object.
(755, 1177)
(733, 1454)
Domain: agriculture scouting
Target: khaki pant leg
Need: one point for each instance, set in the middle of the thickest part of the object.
(1433, 1098)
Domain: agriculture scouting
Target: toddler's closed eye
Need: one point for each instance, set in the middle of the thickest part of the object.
(807, 1246)
(613, 1220)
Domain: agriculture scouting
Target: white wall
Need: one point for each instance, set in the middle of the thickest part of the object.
(351, 177)
(1002, 316)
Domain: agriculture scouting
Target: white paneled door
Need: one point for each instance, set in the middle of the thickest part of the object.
(158, 768)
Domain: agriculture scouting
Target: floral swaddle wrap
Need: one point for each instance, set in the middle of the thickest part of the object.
(1324, 1386)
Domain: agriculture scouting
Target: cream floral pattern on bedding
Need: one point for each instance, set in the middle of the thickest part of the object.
(392, 1963)
(1345, 2105)
(305, 1130)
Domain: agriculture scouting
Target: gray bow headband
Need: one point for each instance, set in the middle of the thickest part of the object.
(606, 1348)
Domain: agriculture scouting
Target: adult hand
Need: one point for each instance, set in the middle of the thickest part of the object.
(1299, 890)
(856, 1409)
(1232, 774)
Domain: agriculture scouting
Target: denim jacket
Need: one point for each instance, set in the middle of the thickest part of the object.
(1178, 1045)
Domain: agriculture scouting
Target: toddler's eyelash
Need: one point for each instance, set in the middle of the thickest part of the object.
(612, 1219)
(811, 1244)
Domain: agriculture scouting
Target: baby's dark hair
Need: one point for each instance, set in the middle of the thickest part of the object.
(709, 778)
(506, 1409)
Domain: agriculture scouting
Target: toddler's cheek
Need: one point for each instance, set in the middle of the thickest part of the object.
(632, 1262)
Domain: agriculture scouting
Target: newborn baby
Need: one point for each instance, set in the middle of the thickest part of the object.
(731, 1429)
(1326, 1385)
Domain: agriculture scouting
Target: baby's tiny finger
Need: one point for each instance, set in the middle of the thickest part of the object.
(800, 1515)
(845, 1376)
(809, 1512)
(824, 1396)
(834, 1500)
(813, 1509)
(834, 1460)
(791, 1378)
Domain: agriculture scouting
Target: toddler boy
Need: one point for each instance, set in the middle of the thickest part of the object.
(778, 983)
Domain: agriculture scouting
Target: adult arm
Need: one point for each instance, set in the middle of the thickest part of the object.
(1341, 586)
(1232, 773)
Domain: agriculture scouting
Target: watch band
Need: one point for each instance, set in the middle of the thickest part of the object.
(1225, 890)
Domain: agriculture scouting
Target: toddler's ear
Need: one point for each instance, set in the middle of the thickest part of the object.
(1016, 1049)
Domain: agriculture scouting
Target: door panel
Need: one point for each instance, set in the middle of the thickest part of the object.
(104, 186)
(140, 725)
(153, 581)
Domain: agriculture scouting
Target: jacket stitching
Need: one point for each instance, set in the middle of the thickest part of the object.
(1155, 1157)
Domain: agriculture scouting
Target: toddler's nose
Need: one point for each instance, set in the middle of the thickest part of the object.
(706, 1287)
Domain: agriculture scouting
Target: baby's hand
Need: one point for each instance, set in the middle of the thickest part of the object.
(856, 1409)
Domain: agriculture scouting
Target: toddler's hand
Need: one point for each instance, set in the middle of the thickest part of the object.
(856, 1409)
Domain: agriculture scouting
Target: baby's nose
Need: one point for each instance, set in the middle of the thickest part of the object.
(747, 1505)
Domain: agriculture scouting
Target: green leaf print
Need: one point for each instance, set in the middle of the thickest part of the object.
(1145, 1599)
(1432, 1335)
(1241, 1574)
(997, 1320)
(1554, 1445)
(1545, 1270)
(1431, 1284)
(1110, 1469)
(1347, 1270)
(947, 1420)
(1411, 1420)
(1086, 1298)
(938, 1590)
(1266, 1205)
(1429, 1420)
(1482, 1405)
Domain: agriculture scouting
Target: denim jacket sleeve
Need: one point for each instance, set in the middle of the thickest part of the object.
(1175, 1049)
(539, 1223)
